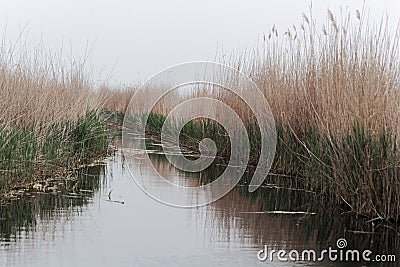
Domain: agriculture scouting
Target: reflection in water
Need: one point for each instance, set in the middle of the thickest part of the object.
(301, 231)
(45, 213)
(247, 219)
(24, 215)
(54, 230)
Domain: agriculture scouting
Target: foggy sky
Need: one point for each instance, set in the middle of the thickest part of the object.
(135, 39)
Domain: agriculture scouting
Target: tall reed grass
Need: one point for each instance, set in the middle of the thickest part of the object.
(334, 91)
(115, 98)
(48, 116)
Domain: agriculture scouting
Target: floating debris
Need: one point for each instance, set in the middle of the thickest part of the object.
(279, 212)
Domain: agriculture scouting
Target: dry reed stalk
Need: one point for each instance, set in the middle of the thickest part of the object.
(37, 88)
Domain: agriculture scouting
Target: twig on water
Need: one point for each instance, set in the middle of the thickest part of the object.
(113, 201)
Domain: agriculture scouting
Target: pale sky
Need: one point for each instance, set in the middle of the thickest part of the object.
(135, 39)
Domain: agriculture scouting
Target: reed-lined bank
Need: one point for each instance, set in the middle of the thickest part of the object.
(33, 152)
(49, 121)
(357, 171)
(334, 94)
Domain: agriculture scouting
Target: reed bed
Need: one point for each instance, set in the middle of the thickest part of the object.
(334, 92)
(48, 116)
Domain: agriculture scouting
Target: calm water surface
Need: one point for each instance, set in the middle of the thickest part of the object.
(56, 230)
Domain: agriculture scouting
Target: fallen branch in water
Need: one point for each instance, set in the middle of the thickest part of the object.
(274, 186)
(361, 232)
(114, 201)
(279, 212)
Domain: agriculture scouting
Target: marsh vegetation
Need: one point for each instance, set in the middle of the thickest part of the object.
(49, 121)
(333, 90)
